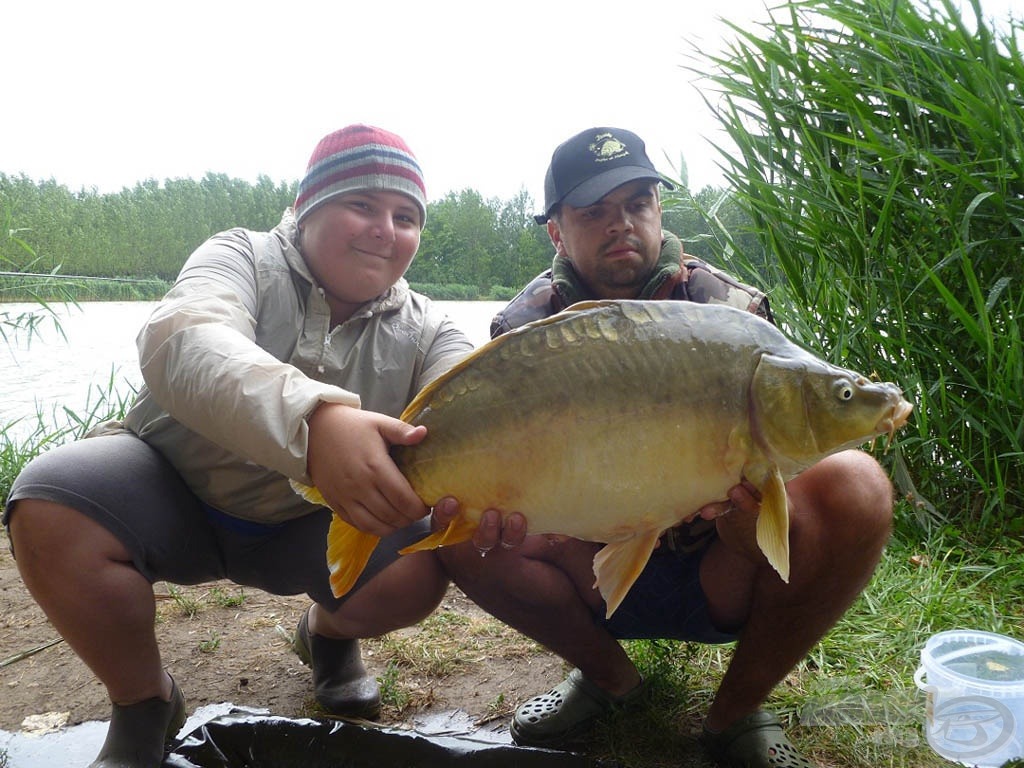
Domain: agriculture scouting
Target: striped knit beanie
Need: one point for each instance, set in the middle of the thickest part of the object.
(360, 157)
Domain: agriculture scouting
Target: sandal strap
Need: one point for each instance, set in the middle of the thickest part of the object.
(754, 741)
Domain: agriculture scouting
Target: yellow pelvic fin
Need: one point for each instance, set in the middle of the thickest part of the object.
(309, 493)
(460, 529)
(773, 524)
(348, 550)
(617, 566)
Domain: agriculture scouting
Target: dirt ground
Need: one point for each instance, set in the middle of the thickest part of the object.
(224, 652)
(220, 651)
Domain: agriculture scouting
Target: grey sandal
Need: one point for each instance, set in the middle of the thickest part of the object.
(341, 683)
(138, 734)
(567, 711)
(754, 741)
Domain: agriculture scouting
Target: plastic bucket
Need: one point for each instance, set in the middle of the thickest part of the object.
(974, 683)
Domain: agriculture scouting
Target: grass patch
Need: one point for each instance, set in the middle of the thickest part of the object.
(852, 701)
(191, 601)
(446, 640)
(435, 649)
(210, 644)
(226, 599)
(392, 693)
(186, 601)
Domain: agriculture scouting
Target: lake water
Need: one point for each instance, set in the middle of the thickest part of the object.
(50, 370)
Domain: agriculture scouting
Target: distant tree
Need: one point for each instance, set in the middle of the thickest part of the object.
(460, 242)
(145, 231)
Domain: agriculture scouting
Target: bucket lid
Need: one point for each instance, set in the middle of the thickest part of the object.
(976, 657)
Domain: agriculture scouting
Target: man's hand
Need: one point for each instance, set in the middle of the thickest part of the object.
(743, 497)
(491, 532)
(738, 527)
(348, 461)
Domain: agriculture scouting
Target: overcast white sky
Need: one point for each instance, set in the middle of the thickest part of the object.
(107, 93)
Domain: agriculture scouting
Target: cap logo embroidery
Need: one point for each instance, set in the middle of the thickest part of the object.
(606, 147)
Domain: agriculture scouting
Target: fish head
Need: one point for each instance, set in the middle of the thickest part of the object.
(804, 409)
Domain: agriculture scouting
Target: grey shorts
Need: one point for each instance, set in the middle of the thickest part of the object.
(131, 490)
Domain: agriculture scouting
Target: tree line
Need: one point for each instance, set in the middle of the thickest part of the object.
(471, 247)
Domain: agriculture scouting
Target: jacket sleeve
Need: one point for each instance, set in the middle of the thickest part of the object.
(201, 363)
(449, 345)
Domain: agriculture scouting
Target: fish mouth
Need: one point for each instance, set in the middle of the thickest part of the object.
(894, 419)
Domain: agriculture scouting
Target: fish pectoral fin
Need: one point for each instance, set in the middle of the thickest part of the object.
(348, 551)
(460, 529)
(309, 493)
(773, 523)
(617, 566)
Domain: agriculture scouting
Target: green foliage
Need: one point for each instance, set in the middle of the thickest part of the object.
(459, 292)
(447, 291)
(881, 164)
(57, 288)
(17, 256)
(131, 245)
(469, 240)
(144, 232)
(714, 227)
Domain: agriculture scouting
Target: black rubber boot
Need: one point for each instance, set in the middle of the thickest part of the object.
(138, 734)
(341, 683)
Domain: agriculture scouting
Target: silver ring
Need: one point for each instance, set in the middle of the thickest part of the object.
(482, 550)
(506, 545)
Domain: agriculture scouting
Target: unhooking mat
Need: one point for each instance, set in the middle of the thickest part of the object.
(249, 741)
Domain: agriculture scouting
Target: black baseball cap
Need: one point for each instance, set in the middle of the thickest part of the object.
(593, 163)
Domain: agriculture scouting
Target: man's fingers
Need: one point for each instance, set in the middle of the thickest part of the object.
(488, 532)
(513, 532)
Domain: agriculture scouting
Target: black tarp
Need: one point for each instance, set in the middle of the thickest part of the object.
(250, 741)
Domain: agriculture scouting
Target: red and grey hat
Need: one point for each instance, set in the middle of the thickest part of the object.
(360, 157)
(593, 163)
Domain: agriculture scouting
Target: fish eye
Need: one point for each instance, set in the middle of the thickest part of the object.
(843, 390)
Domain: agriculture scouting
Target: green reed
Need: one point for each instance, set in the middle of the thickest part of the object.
(881, 162)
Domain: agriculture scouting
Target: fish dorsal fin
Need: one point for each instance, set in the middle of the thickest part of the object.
(348, 551)
(460, 529)
(427, 393)
(773, 523)
(617, 566)
(581, 306)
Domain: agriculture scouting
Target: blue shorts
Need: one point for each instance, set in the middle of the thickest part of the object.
(131, 490)
(667, 601)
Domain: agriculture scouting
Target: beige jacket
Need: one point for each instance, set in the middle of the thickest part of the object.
(241, 351)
